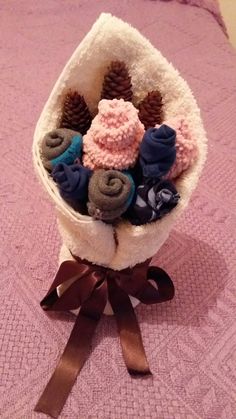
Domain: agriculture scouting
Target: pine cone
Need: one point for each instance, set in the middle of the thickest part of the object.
(117, 82)
(151, 110)
(75, 113)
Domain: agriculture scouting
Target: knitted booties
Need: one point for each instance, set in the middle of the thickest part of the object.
(113, 140)
(186, 148)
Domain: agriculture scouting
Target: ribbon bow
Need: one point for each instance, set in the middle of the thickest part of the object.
(89, 287)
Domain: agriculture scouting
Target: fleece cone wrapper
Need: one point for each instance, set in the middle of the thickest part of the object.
(122, 245)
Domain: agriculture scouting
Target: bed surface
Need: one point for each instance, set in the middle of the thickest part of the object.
(191, 341)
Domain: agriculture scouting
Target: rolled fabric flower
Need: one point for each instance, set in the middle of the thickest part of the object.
(113, 140)
(157, 151)
(186, 148)
(110, 194)
(60, 146)
(153, 201)
(72, 182)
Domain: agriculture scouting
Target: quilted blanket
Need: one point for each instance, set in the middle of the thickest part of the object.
(190, 341)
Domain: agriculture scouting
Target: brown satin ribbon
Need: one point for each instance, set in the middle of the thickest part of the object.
(91, 286)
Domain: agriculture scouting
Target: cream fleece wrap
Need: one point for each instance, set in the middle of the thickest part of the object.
(111, 39)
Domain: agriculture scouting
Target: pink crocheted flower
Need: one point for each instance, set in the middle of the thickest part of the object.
(186, 148)
(112, 142)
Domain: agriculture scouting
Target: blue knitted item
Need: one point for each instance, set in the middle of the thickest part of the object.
(157, 151)
(72, 181)
(72, 152)
(132, 191)
(155, 198)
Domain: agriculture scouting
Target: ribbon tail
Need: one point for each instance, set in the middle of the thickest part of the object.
(165, 287)
(75, 354)
(129, 331)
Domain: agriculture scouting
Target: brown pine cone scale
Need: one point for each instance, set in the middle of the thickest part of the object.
(151, 110)
(75, 113)
(117, 82)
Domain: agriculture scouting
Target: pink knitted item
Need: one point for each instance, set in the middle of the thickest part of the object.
(186, 149)
(113, 139)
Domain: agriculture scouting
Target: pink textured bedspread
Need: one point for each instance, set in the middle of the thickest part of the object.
(191, 341)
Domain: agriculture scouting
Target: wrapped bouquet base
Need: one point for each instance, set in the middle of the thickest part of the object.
(100, 261)
(66, 255)
(90, 287)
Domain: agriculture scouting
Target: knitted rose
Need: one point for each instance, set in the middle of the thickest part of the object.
(186, 148)
(113, 139)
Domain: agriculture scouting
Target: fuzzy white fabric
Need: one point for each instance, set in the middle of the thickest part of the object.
(111, 39)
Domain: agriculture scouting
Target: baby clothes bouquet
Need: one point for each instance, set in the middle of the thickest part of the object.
(119, 147)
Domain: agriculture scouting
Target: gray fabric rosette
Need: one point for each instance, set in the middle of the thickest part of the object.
(110, 194)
